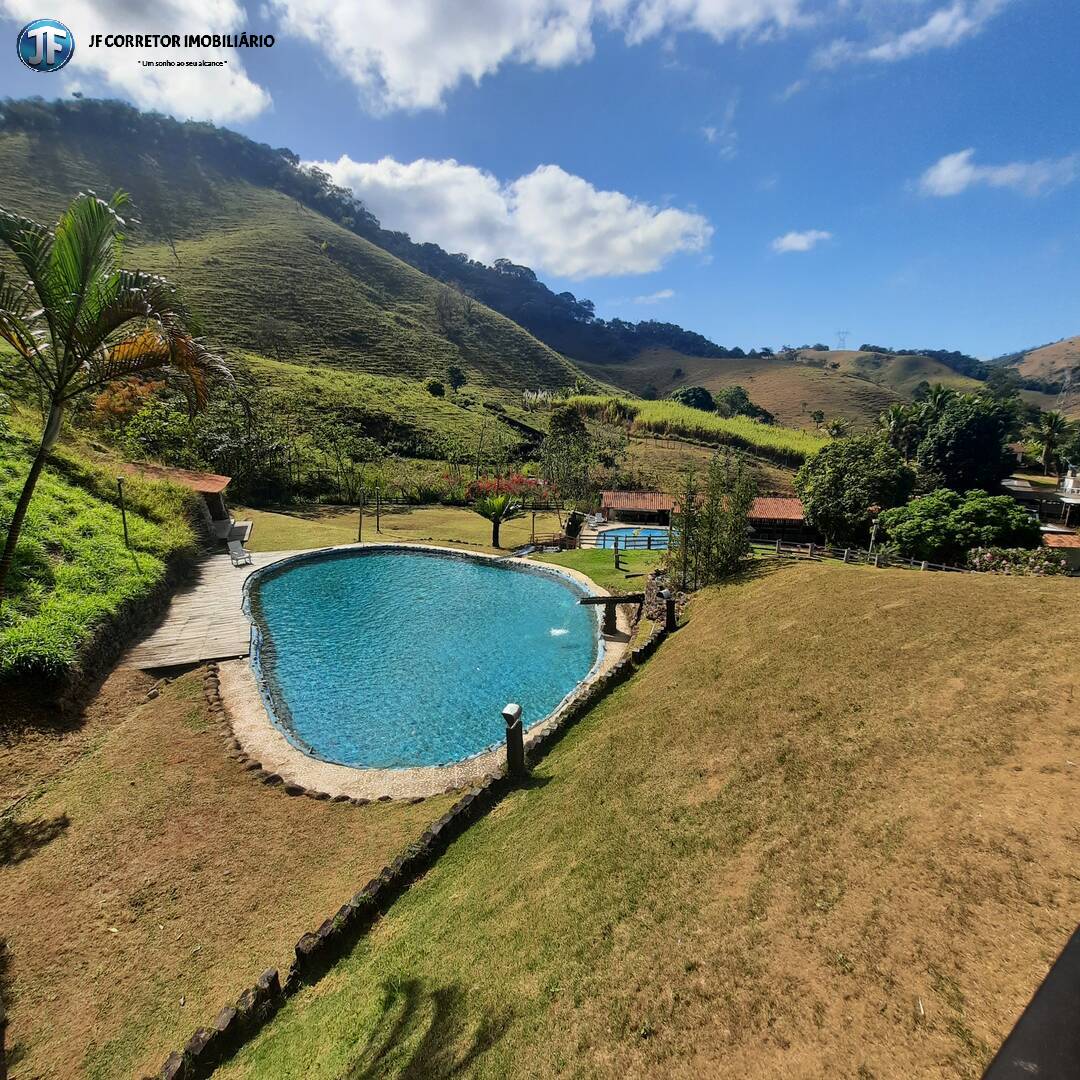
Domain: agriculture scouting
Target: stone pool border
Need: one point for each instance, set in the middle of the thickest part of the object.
(267, 751)
(316, 951)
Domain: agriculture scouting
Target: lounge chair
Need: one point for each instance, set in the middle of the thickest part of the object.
(239, 555)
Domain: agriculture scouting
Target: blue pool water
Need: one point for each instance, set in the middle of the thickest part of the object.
(636, 536)
(403, 658)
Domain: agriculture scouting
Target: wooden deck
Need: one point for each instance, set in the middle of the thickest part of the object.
(204, 620)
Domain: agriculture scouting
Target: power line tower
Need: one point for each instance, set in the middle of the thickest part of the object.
(841, 339)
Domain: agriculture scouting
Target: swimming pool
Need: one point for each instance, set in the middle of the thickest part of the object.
(394, 658)
(640, 538)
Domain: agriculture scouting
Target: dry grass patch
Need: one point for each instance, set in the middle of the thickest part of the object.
(147, 879)
(830, 830)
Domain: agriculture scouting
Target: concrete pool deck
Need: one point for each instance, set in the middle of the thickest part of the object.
(263, 741)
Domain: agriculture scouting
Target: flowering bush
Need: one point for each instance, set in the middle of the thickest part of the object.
(1040, 562)
(515, 484)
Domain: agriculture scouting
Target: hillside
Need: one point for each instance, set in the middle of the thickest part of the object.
(827, 831)
(1049, 363)
(73, 573)
(264, 273)
(854, 385)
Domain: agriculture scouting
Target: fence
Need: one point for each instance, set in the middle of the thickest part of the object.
(820, 552)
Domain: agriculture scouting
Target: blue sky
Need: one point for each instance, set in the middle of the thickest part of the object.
(762, 171)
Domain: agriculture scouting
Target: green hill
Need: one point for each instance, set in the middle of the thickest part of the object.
(266, 274)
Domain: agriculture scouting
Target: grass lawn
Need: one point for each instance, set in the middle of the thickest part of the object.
(600, 566)
(147, 879)
(321, 526)
(829, 830)
(1037, 479)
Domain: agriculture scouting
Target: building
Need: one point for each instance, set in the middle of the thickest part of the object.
(637, 507)
(780, 517)
(772, 517)
(1068, 543)
(219, 523)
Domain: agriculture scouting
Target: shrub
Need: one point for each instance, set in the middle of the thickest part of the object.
(435, 388)
(694, 397)
(1040, 562)
(944, 525)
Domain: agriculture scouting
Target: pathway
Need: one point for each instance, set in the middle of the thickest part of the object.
(205, 620)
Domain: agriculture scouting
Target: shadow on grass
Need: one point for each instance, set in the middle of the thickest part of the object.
(20, 839)
(8, 1055)
(424, 1033)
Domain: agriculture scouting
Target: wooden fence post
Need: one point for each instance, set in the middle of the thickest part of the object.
(923, 567)
(877, 559)
(515, 743)
(778, 546)
(846, 552)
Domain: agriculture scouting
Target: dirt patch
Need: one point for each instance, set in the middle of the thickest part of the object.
(147, 879)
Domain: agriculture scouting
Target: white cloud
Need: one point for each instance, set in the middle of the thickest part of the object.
(800, 241)
(955, 173)
(943, 29)
(548, 218)
(793, 88)
(407, 54)
(655, 298)
(219, 94)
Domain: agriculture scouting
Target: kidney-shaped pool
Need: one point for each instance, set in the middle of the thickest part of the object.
(396, 658)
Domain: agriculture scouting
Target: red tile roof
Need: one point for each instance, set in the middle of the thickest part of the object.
(777, 509)
(639, 501)
(764, 509)
(1061, 540)
(203, 483)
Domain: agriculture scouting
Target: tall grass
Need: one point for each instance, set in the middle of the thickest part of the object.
(787, 445)
(72, 572)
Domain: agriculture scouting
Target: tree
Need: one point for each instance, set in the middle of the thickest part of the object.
(964, 447)
(944, 525)
(934, 401)
(434, 387)
(818, 417)
(566, 456)
(696, 397)
(80, 323)
(902, 426)
(735, 401)
(497, 509)
(836, 427)
(455, 377)
(844, 479)
(1051, 431)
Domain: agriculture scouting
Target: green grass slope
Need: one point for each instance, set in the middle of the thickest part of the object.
(263, 273)
(786, 848)
(72, 571)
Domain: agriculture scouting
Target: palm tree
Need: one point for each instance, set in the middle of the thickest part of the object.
(497, 509)
(900, 423)
(1051, 429)
(79, 322)
(937, 397)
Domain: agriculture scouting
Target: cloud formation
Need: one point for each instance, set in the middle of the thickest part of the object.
(548, 219)
(408, 54)
(955, 173)
(800, 241)
(655, 298)
(943, 29)
(223, 95)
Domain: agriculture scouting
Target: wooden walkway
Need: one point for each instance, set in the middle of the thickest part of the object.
(204, 620)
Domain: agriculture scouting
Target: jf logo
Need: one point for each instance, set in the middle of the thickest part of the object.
(45, 45)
